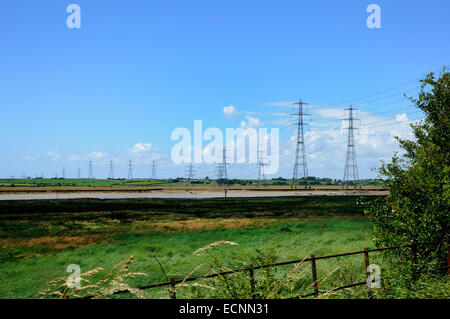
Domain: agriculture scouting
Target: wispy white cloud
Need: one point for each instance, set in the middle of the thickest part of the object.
(252, 122)
(94, 155)
(230, 112)
(97, 155)
(140, 148)
(281, 103)
(336, 113)
(75, 158)
(54, 156)
(31, 157)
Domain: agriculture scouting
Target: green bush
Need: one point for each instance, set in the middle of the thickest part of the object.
(417, 207)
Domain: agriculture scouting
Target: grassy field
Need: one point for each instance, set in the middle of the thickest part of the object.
(39, 239)
(87, 220)
(84, 184)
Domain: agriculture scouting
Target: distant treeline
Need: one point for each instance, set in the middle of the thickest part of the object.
(311, 180)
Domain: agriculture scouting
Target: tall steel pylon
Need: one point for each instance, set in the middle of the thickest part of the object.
(90, 175)
(79, 173)
(190, 171)
(153, 170)
(261, 164)
(300, 152)
(111, 170)
(222, 167)
(130, 169)
(351, 167)
(63, 172)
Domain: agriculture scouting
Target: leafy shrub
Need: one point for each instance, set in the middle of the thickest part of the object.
(417, 207)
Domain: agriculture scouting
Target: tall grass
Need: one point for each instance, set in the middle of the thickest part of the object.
(291, 240)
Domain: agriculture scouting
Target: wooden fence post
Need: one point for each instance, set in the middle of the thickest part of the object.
(252, 281)
(367, 264)
(314, 274)
(173, 294)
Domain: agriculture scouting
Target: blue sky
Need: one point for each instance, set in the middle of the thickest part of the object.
(117, 87)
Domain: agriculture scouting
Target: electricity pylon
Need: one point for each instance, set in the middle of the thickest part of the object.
(222, 167)
(111, 170)
(300, 152)
(351, 167)
(153, 170)
(90, 175)
(130, 169)
(261, 164)
(190, 171)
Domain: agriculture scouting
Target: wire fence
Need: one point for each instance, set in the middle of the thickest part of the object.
(312, 259)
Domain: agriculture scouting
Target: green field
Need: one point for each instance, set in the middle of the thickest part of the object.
(81, 182)
(143, 182)
(39, 239)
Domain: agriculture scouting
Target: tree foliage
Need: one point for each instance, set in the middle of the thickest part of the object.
(417, 207)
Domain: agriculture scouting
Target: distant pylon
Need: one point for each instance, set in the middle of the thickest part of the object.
(79, 173)
(190, 171)
(111, 170)
(222, 167)
(300, 153)
(261, 164)
(90, 174)
(351, 167)
(63, 172)
(130, 170)
(153, 170)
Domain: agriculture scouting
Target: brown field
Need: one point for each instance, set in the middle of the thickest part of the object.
(108, 230)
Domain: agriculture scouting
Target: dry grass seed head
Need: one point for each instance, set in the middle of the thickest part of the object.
(218, 243)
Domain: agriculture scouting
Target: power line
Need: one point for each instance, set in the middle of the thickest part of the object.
(389, 122)
(364, 98)
(380, 92)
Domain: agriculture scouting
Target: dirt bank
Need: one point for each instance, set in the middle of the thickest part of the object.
(185, 194)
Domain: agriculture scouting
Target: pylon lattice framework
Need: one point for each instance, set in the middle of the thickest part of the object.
(222, 167)
(111, 170)
(130, 169)
(90, 175)
(153, 170)
(300, 152)
(190, 171)
(351, 167)
(261, 164)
